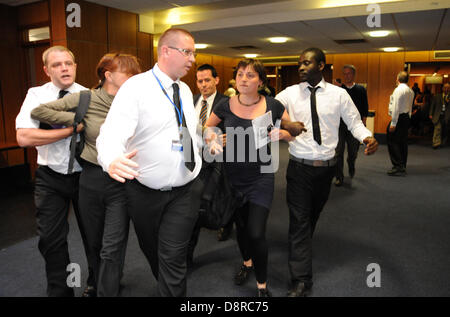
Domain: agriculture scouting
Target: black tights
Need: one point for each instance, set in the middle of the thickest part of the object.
(251, 222)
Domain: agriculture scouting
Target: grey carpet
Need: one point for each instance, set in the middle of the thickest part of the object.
(400, 223)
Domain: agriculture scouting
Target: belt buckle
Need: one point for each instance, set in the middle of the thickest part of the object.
(166, 188)
(317, 163)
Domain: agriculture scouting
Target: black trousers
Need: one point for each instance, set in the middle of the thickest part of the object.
(251, 220)
(308, 188)
(53, 194)
(197, 189)
(163, 221)
(345, 137)
(103, 210)
(398, 141)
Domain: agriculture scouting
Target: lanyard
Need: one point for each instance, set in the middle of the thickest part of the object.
(180, 114)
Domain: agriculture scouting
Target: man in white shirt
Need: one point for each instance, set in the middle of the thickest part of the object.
(149, 139)
(54, 188)
(400, 107)
(319, 106)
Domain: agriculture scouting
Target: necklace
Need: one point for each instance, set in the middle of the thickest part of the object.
(250, 104)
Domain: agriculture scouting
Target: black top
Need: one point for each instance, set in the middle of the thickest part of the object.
(359, 96)
(235, 136)
(245, 175)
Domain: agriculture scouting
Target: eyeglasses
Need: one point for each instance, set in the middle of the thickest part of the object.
(185, 52)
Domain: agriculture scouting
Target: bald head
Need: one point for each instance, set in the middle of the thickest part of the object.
(403, 77)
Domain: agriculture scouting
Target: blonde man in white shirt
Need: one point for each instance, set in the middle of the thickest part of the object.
(54, 188)
(400, 107)
(319, 106)
(140, 144)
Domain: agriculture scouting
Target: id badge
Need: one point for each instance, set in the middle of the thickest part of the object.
(177, 146)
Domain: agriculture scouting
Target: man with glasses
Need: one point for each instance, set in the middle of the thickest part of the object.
(148, 141)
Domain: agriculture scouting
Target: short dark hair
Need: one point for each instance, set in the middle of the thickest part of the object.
(257, 66)
(319, 55)
(403, 77)
(208, 67)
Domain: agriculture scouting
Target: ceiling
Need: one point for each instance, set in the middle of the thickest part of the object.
(413, 24)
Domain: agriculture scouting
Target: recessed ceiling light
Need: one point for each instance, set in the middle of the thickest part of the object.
(278, 39)
(391, 49)
(250, 55)
(379, 33)
(201, 46)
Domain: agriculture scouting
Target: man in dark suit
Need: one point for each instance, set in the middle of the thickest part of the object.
(440, 116)
(205, 102)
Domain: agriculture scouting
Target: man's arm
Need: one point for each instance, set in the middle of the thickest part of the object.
(119, 126)
(27, 137)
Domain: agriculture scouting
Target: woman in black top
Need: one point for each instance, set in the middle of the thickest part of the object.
(245, 167)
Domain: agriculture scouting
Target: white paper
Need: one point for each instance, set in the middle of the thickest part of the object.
(260, 129)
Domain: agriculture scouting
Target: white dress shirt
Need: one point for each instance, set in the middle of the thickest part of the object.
(54, 155)
(209, 100)
(401, 101)
(142, 117)
(332, 103)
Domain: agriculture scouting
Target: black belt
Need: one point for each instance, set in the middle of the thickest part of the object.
(51, 171)
(315, 163)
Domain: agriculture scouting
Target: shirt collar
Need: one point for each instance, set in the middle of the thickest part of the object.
(353, 85)
(304, 85)
(210, 99)
(56, 89)
(165, 80)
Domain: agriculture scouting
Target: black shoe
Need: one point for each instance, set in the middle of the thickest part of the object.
(397, 171)
(223, 233)
(299, 289)
(264, 292)
(242, 276)
(89, 291)
(338, 182)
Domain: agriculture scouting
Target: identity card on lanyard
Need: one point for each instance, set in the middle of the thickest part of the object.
(176, 144)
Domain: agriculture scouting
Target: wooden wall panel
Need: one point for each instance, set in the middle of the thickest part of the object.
(87, 55)
(417, 56)
(122, 31)
(357, 60)
(373, 81)
(58, 34)
(12, 81)
(93, 23)
(145, 50)
(218, 63)
(33, 14)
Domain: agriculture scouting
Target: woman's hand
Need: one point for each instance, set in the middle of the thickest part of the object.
(277, 134)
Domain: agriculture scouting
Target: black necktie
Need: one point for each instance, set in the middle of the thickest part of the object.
(189, 160)
(62, 93)
(314, 116)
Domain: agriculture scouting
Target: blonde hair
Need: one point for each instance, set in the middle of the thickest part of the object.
(56, 48)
